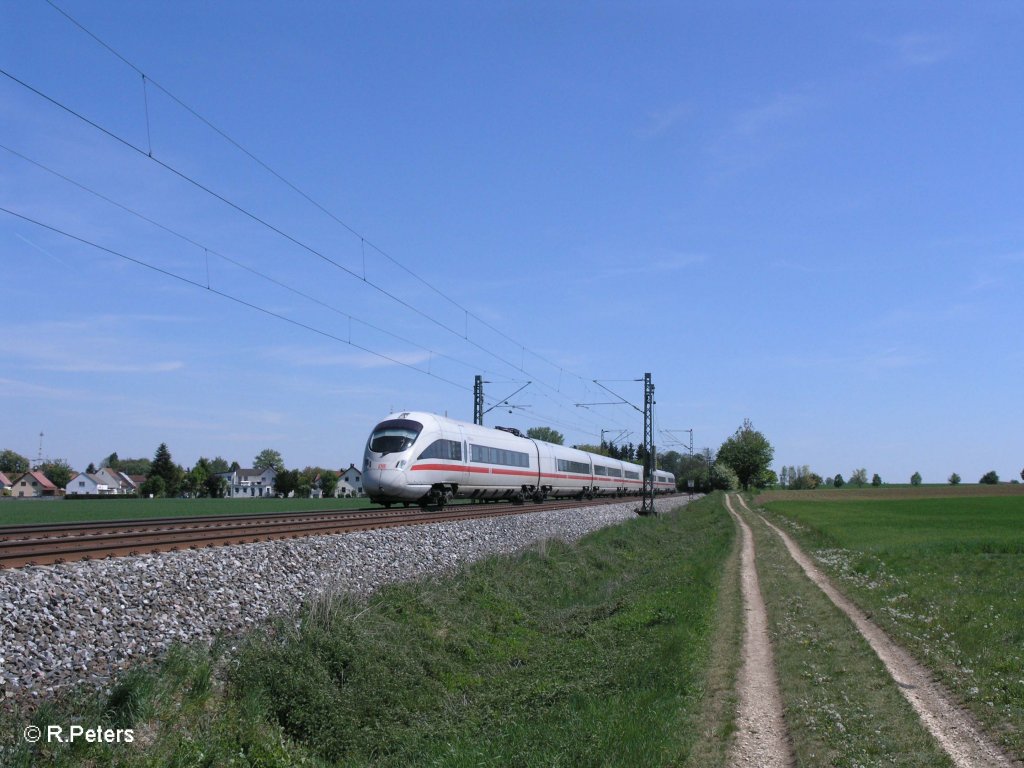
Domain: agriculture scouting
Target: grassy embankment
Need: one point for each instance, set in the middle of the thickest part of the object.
(943, 577)
(597, 653)
(37, 511)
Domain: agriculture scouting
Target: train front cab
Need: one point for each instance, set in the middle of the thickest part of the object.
(386, 460)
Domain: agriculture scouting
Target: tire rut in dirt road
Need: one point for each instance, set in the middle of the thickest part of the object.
(949, 724)
(761, 737)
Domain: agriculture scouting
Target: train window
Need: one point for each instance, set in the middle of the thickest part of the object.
(632, 475)
(614, 472)
(394, 435)
(443, 449)
(483, 454)
(599, 470)
(578, 467)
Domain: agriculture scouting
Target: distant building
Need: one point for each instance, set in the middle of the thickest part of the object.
(5, 484)
(104, 482)
(85, 483)
(117, 482)
(33, 484)
(249, 483)
(350, 482)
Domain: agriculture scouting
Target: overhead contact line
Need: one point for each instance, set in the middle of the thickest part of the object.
(330, 214)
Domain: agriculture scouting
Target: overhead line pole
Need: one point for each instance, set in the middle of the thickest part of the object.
(647, 505)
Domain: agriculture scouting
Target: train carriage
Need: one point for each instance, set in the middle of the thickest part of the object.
(416, 457)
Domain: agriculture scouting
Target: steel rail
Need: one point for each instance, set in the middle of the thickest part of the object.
(69, 542)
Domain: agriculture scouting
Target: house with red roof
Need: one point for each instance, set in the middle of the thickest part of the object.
(33, 483)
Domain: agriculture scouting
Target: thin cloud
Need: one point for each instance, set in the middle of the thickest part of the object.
(664, 121)
(919, 49)
(87, 366)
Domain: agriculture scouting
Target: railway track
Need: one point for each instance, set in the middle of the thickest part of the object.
(46, 544)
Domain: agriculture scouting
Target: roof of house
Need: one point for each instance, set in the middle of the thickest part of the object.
(5, 480)
(39, 477)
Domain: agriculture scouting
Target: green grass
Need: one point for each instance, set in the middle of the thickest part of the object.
(597, 653)
(943, 578)
(36, 511)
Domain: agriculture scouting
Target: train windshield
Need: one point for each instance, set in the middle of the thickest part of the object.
(394, 435)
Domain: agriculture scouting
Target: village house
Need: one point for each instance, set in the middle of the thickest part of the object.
(103, 482)
(33, 484)
(249, 483)
(350, 482)
(84, 483)
(5, 484)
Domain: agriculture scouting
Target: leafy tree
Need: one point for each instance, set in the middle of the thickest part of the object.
(990, 478)
(915, 479)
(154, 486)
(829, 482)
(287, 482)
(1022, 474)
(767, 479)
(235, 466)
(165, 468)
(546, 434)
(748, 452)
(838, 481)
(202, 480)
(784, 477)
(219, 464)
(670, 461)
(13, 463)
(317, 477)
(91, 469)
(328, 481)
(859, 477)
(724, 477)
(57, 471)
(801, 478)
(269, 459)
(140, 466)
(217, 487)
(954, 479)
(693, 468)
(876, 481)
(590, 449)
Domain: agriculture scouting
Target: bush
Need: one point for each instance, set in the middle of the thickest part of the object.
(915, 479)
(954, 479)
(990, 478)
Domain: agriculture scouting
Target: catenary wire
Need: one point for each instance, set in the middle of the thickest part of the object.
(223, 134)
(363, 240)
(185, 177)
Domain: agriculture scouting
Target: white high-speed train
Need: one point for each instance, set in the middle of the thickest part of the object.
(415, 457)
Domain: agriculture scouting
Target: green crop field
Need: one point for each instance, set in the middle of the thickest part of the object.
(37, 511)
(942, 576)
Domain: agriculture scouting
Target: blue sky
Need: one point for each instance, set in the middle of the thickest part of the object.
(805, 214)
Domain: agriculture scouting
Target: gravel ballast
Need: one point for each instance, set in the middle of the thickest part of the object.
(79, 622)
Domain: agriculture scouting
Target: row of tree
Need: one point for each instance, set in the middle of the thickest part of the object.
(801, 478)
